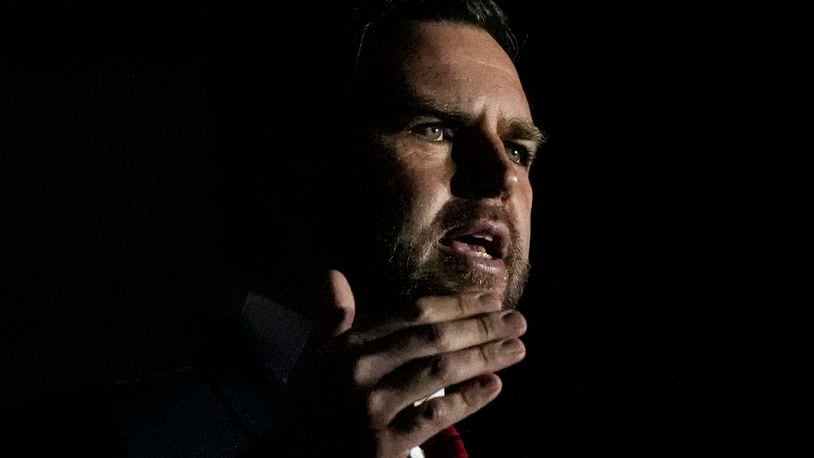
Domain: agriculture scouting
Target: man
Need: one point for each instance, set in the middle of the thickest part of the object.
(426, 151)
(435, 259)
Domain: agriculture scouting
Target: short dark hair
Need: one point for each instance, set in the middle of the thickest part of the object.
(376, 27)
(484, 14)
(342, 52)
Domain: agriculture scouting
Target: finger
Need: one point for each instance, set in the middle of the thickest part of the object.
(341, 302)
(416, 425)
(428, 310)
(413, 382)
(416, 342)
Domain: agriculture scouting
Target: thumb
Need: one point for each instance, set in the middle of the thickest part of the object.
(342, 306)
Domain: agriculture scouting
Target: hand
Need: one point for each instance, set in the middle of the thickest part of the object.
(357, 395)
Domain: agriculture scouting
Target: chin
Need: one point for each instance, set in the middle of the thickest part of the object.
(446, 275)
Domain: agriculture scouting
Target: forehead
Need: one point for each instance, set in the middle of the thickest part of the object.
(460, 67)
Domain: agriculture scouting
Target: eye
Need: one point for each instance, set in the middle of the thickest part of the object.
(433, 132)
(518, 154)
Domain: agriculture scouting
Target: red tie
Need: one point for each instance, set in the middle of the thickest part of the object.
(446, 444)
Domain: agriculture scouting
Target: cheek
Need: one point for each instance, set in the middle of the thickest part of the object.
(429, 191)
(525, 197)
(425, 179)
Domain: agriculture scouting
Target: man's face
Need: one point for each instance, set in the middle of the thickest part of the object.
(458, 139)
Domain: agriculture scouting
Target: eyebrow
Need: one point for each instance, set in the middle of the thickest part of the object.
(417, 105)
(520, 129)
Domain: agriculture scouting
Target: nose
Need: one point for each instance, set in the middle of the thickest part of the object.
(482, 168)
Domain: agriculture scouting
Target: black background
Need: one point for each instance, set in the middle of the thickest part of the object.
(666, 308)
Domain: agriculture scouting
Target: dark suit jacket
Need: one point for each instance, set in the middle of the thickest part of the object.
(219, 407)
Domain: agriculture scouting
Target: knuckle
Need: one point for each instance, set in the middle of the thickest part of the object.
(421, 312)
(437, 335)
(349, 340)
(374, 402)
(441, 367)
(360, 369)
(433, 411)
(485, 355)
(485, 325)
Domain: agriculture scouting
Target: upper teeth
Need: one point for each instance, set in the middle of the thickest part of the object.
(483, 236)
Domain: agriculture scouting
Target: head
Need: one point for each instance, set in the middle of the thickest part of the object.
(445, 122)
(430, 156)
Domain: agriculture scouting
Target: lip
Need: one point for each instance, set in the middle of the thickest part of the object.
(496, 233)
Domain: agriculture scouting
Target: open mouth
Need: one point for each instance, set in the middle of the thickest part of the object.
(478, 245)
(483, 244)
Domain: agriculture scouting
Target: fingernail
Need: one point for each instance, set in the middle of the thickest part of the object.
(514, 319)
(512, 347)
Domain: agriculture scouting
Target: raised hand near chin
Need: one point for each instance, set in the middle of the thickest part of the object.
(357, 391)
